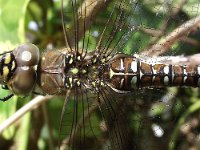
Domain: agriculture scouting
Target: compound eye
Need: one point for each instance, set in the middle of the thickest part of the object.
(23, 80)
(26, 55)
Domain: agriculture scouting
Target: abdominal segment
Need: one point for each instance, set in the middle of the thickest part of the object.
(127, 73)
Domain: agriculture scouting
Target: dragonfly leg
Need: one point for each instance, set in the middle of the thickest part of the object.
(6, 97)
(37, 93)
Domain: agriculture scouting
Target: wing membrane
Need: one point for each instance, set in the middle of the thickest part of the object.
(101, 120)
(95, 121)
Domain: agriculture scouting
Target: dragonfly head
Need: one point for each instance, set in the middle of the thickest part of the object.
(18, 68)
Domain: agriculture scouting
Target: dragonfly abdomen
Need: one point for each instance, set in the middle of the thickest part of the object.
(127, 73)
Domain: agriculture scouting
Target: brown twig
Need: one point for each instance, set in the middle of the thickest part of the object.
(158, 33)
(21, 112)
(87, 11)
(172, 14)
(190, 41)
(163, 45)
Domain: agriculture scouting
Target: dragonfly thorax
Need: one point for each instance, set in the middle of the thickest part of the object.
(63, 70)
(18, 68)
(82, 72)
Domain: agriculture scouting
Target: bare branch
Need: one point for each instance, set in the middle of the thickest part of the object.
(163, 45)
(87, 11)
(158, 33)
(172, 14)
(22, 111)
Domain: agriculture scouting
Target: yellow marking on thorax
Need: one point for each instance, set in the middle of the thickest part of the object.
(71, 61)
(79, 58)
(102, 83)
(93, 83)
(84, 71)
(109, 57)
(5, 71)
(13, 65)
(103, 60)
(7, 58)
(94, 60)
(74, 70)
(78, 83)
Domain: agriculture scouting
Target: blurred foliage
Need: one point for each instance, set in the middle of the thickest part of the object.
(170, 109)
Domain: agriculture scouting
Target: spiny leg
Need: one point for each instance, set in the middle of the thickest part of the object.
(5, 87)
(6, 97)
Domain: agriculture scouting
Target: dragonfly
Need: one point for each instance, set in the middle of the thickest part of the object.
(103, 81)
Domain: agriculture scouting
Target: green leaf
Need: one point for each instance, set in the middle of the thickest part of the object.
(6, 110)
(12, 20)
(12, 17)
(23, 132)
(192, 109)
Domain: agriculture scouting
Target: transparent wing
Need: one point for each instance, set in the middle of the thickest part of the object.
(115, 114)
(96, 121)
(145, 118)
(100, 25)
